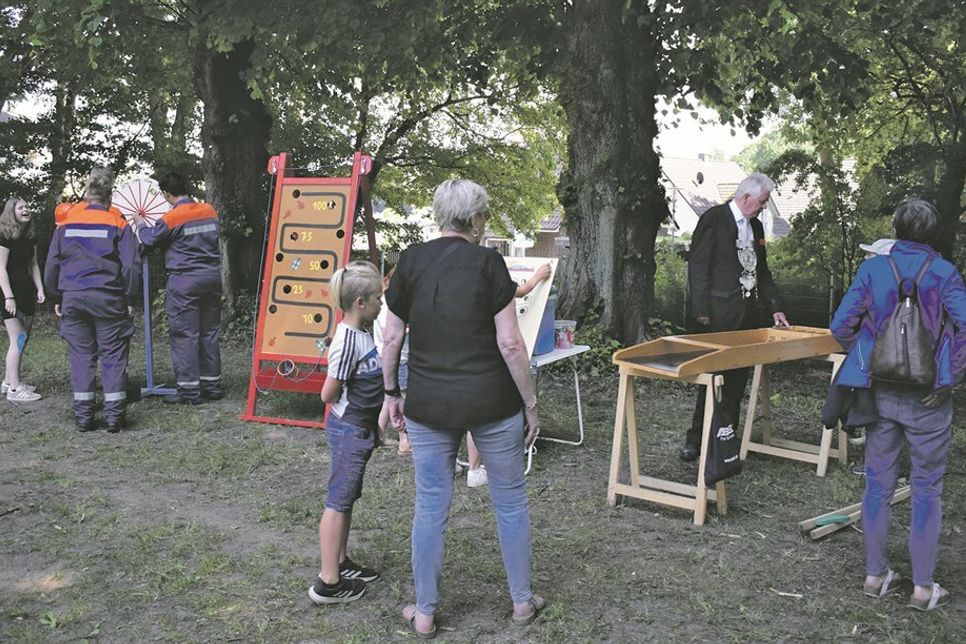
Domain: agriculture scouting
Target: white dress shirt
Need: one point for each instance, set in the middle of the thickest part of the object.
(744, 226)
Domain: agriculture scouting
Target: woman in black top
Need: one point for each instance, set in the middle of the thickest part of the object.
(22, 288)
(468, 371)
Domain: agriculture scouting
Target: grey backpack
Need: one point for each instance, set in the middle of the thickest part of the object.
(905, 351)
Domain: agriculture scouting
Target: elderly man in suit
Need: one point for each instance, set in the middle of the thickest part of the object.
(731, 286)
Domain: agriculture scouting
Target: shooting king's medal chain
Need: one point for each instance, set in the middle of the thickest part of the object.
(749, 261)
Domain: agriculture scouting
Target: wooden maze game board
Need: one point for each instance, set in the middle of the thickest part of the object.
(309, 238)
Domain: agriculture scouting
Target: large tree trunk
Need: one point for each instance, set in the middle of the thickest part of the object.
(949, 194)
(170, 138)
(61, 145)
(613, 200)
(235, 134)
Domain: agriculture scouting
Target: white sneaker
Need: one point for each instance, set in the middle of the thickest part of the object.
(5, 387)
(476, 478)
(22, 394)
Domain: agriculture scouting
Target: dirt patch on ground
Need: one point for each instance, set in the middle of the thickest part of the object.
(195, 526)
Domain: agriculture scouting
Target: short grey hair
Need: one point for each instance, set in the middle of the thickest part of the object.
(754, 184)
(916, 220)
(456, 201)
(100, 185)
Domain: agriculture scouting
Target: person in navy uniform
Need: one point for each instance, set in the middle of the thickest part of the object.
(188, 235)
(93, 271)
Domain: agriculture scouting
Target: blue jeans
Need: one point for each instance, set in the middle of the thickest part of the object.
(434, 456)
(350, 448)
(928, 433)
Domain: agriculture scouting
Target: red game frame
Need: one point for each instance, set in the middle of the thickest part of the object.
(264, 377)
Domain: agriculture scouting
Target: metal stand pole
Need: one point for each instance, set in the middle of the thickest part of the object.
(151, 389)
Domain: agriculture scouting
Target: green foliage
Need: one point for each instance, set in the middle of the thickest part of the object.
(103, 77)
(396, 235)
(758, 156)
(426, 110)
(670, 283)
(825, 234)
(159, 321)
(882, 82)
(591, 332)
(124, 81)
(240, 327)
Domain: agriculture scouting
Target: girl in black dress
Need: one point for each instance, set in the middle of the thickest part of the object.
(22, 289)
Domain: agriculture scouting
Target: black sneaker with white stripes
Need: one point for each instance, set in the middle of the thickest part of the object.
(346, 590)
(351, 570)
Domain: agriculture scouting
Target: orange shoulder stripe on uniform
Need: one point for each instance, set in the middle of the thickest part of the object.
(188, 212)
(62, 210)
(85, 215)
(119, 216)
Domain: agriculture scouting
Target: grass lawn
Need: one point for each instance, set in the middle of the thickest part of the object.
(196, 526)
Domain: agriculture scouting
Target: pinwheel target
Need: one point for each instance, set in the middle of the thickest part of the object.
(143, 197)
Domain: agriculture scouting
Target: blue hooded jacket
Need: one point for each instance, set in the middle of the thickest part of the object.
(868, 304)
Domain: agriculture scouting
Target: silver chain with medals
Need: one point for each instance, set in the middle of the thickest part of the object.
(749, 261)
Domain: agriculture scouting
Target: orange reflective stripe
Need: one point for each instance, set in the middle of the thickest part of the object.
(85, 215)
(186, 213)
(62, 210)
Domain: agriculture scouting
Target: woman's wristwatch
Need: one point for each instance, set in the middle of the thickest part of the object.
(395, 393)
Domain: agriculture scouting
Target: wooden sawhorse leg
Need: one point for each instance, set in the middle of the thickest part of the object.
(796, 450)
(689, 497)
(619, 418)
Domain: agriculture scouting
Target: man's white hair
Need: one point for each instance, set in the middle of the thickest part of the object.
(754, 184)
(456, 201)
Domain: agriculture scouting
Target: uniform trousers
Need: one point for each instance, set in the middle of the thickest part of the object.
(96, 327)
(193, 304)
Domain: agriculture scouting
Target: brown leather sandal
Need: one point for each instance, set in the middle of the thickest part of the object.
(409, 614)
(537, 604)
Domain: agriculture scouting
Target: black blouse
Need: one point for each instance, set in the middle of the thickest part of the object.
(457, 375)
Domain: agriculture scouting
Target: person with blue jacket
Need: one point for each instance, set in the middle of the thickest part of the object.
(188, 235)
(93, 271)
(922, 418)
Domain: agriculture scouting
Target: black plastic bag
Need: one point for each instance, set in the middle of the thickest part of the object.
(724, 446)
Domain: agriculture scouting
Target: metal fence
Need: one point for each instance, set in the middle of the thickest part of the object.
(805, 303)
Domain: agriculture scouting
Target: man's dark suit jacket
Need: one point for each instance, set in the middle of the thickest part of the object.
(713, 271)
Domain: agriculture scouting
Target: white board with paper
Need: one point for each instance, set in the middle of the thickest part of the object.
(530, 307)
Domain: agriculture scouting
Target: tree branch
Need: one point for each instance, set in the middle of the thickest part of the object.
(918, 91)
(407, 125)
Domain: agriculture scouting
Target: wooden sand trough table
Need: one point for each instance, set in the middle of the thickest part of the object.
(697, 359)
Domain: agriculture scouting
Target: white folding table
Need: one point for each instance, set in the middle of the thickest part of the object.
(547, 359)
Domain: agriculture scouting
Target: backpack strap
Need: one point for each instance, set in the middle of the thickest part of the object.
(895, 270)
(922, 271)
(919, 275)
